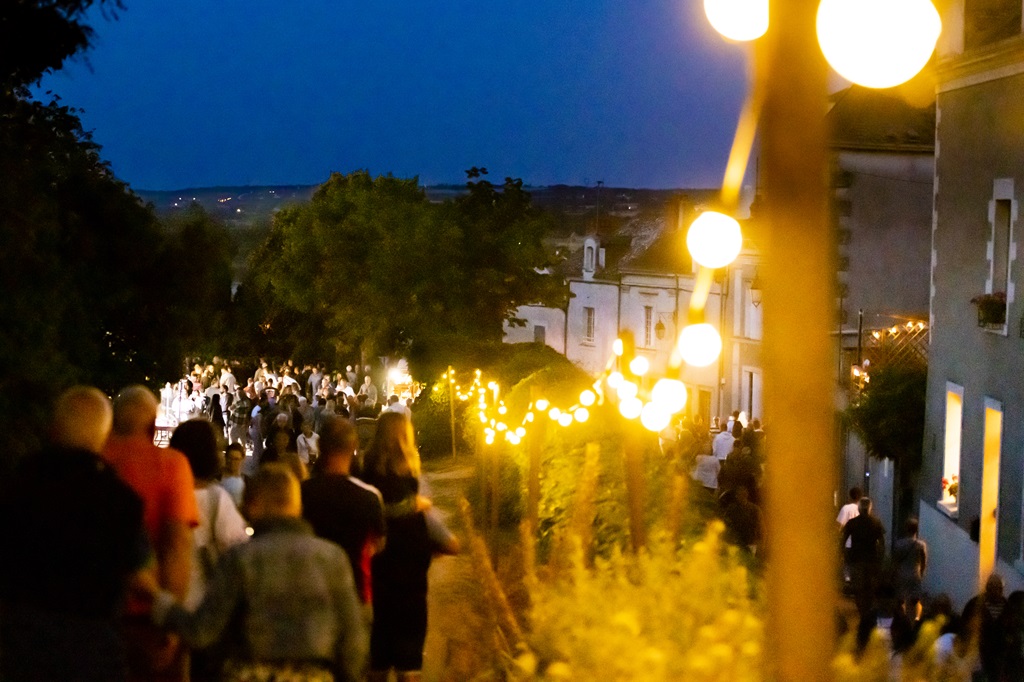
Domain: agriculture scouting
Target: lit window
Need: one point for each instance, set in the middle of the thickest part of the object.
(951, 447)
(588, 334)
(648, 326)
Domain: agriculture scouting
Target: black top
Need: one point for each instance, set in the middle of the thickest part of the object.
(347, 512)
(867, 539)
(73, 534)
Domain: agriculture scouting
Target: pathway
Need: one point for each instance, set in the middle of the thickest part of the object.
(460, 641)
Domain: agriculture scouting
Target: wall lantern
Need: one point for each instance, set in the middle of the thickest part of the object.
(755, 291)
(659, 330)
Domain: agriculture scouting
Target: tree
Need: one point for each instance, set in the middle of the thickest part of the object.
(89, 276)
(370, 265)
(38, 36)
(889, 418)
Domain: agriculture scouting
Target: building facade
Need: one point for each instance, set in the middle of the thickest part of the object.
(974, 429)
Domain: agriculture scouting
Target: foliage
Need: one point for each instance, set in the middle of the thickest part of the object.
(889, 416)
(98, 291)
(370, 264)
(37, 36)
(690, 613)
(661, 615)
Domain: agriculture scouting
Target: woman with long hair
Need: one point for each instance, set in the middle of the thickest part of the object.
(392, 465)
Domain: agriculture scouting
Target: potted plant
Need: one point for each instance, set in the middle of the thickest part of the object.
(991, 309)
(952, 488)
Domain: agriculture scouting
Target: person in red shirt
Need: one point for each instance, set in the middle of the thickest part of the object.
(163, 479)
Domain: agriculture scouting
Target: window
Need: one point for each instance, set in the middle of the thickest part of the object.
(588, 329)
(648, 326)
(999, 258)
(588, 258)
(539, 334)
(1001, 252)
(951, 447)
(704, 406)
(990, 488)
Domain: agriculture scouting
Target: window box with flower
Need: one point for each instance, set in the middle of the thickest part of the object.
(991, 309)
(950, 502)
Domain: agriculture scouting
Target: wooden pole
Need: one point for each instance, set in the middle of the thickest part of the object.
(451, 404)
(635, 489)
(799, 305)
(495, 488)
(534, 445)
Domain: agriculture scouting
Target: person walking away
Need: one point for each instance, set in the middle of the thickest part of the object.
(239, 417)
(163, 479)
(867, 551)
(392, 465)
(846, 512)
(721, 444)
(986, 610)
(909, 562)
(292, 593)
(341, 508)
(220, 527)
(75, 541)
(744, 521)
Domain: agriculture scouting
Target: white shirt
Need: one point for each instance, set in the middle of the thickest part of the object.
(706, 471)
(848, 511)
(308, 447)
(721, 446)
(223, 531)
(400, 409)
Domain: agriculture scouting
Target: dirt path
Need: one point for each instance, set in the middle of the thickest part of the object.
(460, 633)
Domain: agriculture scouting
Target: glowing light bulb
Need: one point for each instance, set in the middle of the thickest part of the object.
(565, 419)
(631, 408)
(489, 440)
(670, 394)
(483, 418)
(615, 379)
(714, 239)
(654, 417)
(513, 438)
(738, 19)
(639, 365)
(520, 432)
(502, 426)
(554, 413)
(542, 404)
(700, 344)
(878, 43)
(627, 390)
(587, 398)
(618, 348)
(502, 409)
(581, 415)
(529, 416)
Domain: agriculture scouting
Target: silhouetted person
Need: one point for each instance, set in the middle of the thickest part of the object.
(867, 550)
(73, 539)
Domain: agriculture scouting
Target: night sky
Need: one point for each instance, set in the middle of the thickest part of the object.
(228, 92)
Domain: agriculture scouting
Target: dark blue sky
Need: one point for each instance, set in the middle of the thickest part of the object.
(640, 93)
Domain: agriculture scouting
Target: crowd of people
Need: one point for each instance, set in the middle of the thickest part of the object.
(727, 459)
(141, 562)
(984, 643)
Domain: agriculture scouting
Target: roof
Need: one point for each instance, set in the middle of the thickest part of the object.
(865, 119)
(667, 254)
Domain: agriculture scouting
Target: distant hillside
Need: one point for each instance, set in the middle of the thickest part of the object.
(243, 207)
